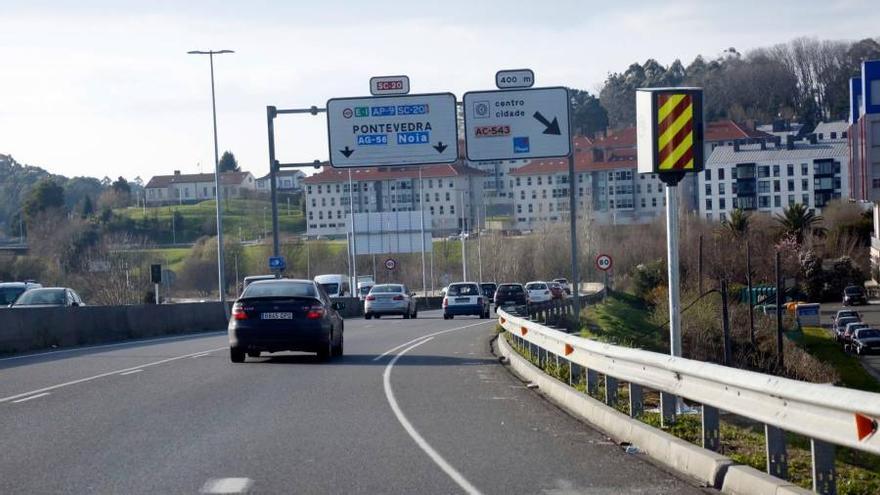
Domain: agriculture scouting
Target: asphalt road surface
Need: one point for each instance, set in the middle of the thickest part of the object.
(871, 316)
(415, 406)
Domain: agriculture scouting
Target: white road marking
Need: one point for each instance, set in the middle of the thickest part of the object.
(117, 344)
(227, 485)
(102, 375)
(201, 355)
(389, 351)
(31, 397)
(131, 372)
(420, 441)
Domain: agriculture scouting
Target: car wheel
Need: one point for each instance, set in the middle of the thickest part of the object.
(254, 354)
(368, 316)
(377, 316)
(415, 314)
(326, 351)
(451, 317)
(236, 355)
(406, 315)
(338, 348)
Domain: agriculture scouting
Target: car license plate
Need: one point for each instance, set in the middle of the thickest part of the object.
(462, 299)
(276, 316)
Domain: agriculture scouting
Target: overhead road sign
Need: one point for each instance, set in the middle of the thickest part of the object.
(670, 130)
(389, 85)
(517, 124)
(518, 78)
(392, 130)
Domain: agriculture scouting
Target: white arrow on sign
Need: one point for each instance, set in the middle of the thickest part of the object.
(517, 124)
(392, 130)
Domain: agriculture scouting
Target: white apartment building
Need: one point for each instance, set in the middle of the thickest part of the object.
(191, 188)
(450, 194)
(770, 176)
(286, 181)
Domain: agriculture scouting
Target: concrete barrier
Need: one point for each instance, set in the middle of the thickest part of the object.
(39, 328)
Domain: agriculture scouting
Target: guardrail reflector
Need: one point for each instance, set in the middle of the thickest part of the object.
(568, 349)
(865, 426)
(524, 331)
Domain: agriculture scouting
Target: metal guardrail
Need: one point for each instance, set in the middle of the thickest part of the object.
(826, 414)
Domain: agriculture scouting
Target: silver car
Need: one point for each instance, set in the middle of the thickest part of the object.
(390, 299)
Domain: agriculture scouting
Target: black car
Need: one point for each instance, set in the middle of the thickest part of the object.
(853, 295)
(285, 315)
(510, 295)
(48, 297)
(865, 340)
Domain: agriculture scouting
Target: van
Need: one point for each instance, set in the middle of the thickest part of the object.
(335, 285)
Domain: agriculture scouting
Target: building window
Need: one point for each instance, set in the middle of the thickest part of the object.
(522, 195)
(544, 193)
(519, 208)
(790, 199)
(805, 184)
(432, 210)
(720, 174)
(763, 201)
(775, 170)
(517, 181)
(777, 201)
(721, 188)
(790, 169)
(764, 186)
(314, 202)
(790, 185)
(427, 198)
(708, 203)
(448, 197)
(539, 180)
(763, 172)
(708, 174)
(722, 204)
(436, 197)
(531, 210)
(776, 186)
(708, 189)
(653, 202)
(649, 189)
(441, 209)
(643, 202)
(451, 209)
(805, 199)
(804, 169)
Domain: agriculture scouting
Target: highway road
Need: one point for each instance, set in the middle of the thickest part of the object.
(415, 406)
(870, 315)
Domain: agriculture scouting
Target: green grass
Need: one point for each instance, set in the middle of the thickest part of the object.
(818, 342)
(623, 319)
(245, 218)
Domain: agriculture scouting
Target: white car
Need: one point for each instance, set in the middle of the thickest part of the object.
(465, 298)
(538, 292)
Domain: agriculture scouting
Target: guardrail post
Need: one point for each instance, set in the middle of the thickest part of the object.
(573, 374)
(592, 382)
(824, 475)
(777, 457)
(636, 400)
(667, 409)
(610, 391)
(711, 429)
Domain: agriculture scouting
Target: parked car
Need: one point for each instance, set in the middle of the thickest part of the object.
(564, 284)
(285, 315)
(854, 295)
(849, 330)
(840, 326)
(9, 291)
(465, 298)
(47, 297)
(390, 299)
(866, 340)
(510, 295)
(538, 292)
(489, 289)
(556, 290)
(844, 313)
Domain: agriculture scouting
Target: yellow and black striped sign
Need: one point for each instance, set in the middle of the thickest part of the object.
(672, 121)
(675, 132)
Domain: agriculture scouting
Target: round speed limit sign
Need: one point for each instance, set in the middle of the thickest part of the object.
(390, 264)
(603, 262)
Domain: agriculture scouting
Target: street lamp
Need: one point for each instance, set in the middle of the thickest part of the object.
(221, 278)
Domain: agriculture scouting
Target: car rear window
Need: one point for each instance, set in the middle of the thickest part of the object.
(280, 289)
(8, 295)
(510, 289)
(43, 296)
(536, 286)
(331, 288)
(868, 333)
(464, 290)
(378, 289)
(854, 290)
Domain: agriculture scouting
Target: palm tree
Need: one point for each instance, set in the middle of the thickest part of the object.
(798, 221)
(737, 224)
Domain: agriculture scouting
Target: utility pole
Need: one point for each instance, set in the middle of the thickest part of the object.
(480, 246)
(700, 268)
(464, 276)
(422, 224)
(780, 299)
(353, 237)
(221, 278)
(725, 323)
(751, 296)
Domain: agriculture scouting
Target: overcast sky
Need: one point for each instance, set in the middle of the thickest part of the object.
(106, 87)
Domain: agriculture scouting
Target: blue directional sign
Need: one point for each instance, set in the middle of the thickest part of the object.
(277, 263)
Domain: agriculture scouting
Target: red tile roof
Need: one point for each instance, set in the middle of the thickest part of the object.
(226, 179)
(330, 174)
(728, 130)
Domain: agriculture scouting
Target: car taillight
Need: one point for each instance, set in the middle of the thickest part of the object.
(239, 312)
(445, 302)
(371, 298)
(315, 313)
(398, 298)
(479, 300)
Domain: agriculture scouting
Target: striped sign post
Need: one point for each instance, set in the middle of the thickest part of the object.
(669, 128)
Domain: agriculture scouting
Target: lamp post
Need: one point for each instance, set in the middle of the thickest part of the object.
(221, 279)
